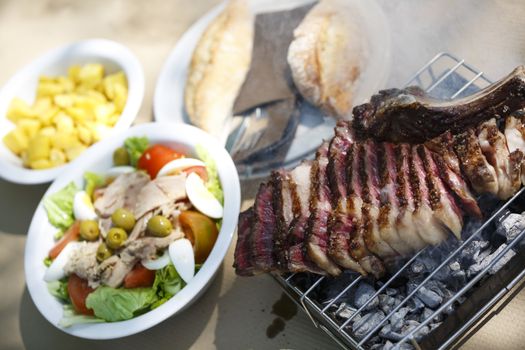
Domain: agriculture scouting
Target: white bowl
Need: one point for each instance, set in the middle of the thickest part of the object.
(112, 55)
(98, 159)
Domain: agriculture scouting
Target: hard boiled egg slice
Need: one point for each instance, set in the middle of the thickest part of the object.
(55, 271)
(178, 165)
(158, 263)
(181, 255)
(119, 170)
(201, 198)
(83, 207)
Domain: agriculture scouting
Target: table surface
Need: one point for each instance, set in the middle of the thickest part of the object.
(235, 313)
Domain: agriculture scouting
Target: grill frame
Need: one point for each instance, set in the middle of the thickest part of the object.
(440, 77)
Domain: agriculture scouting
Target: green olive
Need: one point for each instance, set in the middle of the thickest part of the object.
(89, 230)
(159, 226)
(103, 252)
(121, 156)
(116, 237)
(124, 219)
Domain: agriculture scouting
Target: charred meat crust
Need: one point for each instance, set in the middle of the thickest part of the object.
(242, 262)
(410, 115)
(317, 235)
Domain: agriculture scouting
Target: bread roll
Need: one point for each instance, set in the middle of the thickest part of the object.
(218, 68)
(326, 57)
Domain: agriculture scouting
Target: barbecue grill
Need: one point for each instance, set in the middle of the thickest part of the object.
(445, 77)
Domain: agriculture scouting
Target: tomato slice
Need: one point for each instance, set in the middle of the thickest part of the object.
(155, 157)
(201, 231)
(78, 290)
(72, 234)
(199, 170)
(139, 277)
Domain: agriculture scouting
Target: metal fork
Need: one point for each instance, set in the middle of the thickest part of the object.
(247, 134)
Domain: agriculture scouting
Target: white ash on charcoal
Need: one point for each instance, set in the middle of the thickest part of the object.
(362, 296)
(345, 311)
(365, 324)
(487, 260)
(511, 225)
(444, 285)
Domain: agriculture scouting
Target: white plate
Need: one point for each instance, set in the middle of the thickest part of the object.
(98, 159)
(168, 103)
(112, 55)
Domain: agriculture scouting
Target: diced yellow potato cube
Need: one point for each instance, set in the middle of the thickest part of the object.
(41, 164)
(91, 74)
(45, 110)
(48, 89)
(96, 95)
(48, 131)
(29, 126)
(73, 73)
(63, 140)
(80, 114)
(67, 84)
(18, 109)
(64, 100)
(57, 157)
(38, 148)
(86, 102)
(103, 112)
(42, 105)
(121, 96)
(84, 135)
(111, 81)
(16, 140)
(64, 123)
(74, 152)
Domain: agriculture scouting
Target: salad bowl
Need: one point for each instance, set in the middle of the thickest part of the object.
(112, 55)
(98, 159)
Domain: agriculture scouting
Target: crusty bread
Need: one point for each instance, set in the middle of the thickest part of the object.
(326, 57)
(218, 68)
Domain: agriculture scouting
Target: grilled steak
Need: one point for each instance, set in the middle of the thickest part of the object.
(370, 210)
(494, 147)
(320, 211)
(474, 165)
(358, 250)
(441, 201)
(300, 183)
(410, 115)
(400, 177)
(389, 203)
(341, 225)
(515, 137)
(264, 224)
(430, 230)
(449, 170)
(406, 227)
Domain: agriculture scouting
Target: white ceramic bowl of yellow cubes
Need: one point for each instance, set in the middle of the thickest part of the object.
(113, 56)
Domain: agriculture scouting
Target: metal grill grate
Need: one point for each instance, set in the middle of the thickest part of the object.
(445, 77)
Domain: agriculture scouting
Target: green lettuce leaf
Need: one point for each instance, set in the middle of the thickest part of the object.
(70, 317)
(167, 283)
(92, 182)
(135, 147)
(213, 184)
(118, 304)
(59, 206)
(58, 289)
